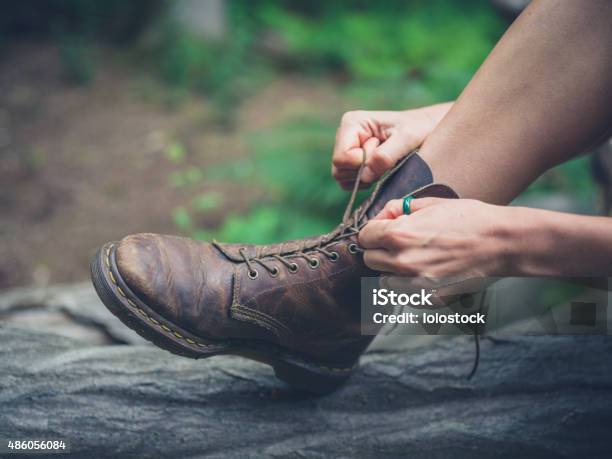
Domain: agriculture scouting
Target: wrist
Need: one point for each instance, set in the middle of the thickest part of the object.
(436, 112)
(536, 235)
(422, 121)
(523, 235)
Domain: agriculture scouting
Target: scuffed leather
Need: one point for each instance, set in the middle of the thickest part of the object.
(205, 290)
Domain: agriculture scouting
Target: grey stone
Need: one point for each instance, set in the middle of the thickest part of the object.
(532, 397)
(74, 311)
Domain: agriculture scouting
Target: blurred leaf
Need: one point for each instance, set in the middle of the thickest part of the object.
(202, 235)
(181, 218)
(175, 152)
(77, 60)
(193, 175)
(389, 41)
(207, 201)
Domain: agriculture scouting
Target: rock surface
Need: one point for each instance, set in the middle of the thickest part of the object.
(74, 311)
(532, 397)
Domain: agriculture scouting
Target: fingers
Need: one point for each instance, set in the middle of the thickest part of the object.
(422, 203)
(348, 147)
(391, 211)
(346, 175)
(372, 235)
(370, 148)
(399, 132)
(395, 207)
(384, 158)
(359, 131)
(379, 260)
(348, 159)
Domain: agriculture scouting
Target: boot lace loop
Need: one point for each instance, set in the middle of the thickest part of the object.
(353, 220)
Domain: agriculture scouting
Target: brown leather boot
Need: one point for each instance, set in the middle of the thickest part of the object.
(293, 305)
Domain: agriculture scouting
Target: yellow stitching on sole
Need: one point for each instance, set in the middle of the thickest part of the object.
(142, 312)
(189, 340)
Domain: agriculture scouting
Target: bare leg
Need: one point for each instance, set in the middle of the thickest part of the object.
(542, 96)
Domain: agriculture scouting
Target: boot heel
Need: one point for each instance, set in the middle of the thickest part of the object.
(306, 379)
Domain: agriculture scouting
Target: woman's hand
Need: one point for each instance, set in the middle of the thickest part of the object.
(441, 238)
(385, 136)
(464, 238)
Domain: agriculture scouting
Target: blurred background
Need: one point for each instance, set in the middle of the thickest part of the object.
(213, 118)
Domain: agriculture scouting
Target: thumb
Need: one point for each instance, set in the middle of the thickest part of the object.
(384, 157)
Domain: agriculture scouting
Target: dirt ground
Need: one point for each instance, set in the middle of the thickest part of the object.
(83, 165)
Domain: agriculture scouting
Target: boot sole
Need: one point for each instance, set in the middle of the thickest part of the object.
(299, 372)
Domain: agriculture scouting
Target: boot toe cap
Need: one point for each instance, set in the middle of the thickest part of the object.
(184, 281)
(151, 266)
(137, 257)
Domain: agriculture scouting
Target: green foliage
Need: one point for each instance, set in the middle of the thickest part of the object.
(175, 152)
(181, 218)
(266, 224)
(225, 70)
(440, 41)
(207, 201)
(395, 56)
(573, 177)
(390, 54)
(184, 58)
(290, 162)
(186, 177)
(294, 159)
(77, 61)
(188, 62)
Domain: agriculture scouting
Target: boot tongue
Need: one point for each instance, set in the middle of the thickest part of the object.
(410, 174)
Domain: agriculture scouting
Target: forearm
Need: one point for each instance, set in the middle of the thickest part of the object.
(543, 95)
(546, 243)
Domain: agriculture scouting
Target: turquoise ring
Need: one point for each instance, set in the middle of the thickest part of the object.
(406, 204)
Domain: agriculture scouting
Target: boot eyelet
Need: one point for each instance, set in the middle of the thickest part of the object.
(314, 263)
(294, 268)
(353, 248)
(253, 274)
(274, 272)
(333, 257)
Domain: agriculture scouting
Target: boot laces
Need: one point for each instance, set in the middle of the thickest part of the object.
(352, 222)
